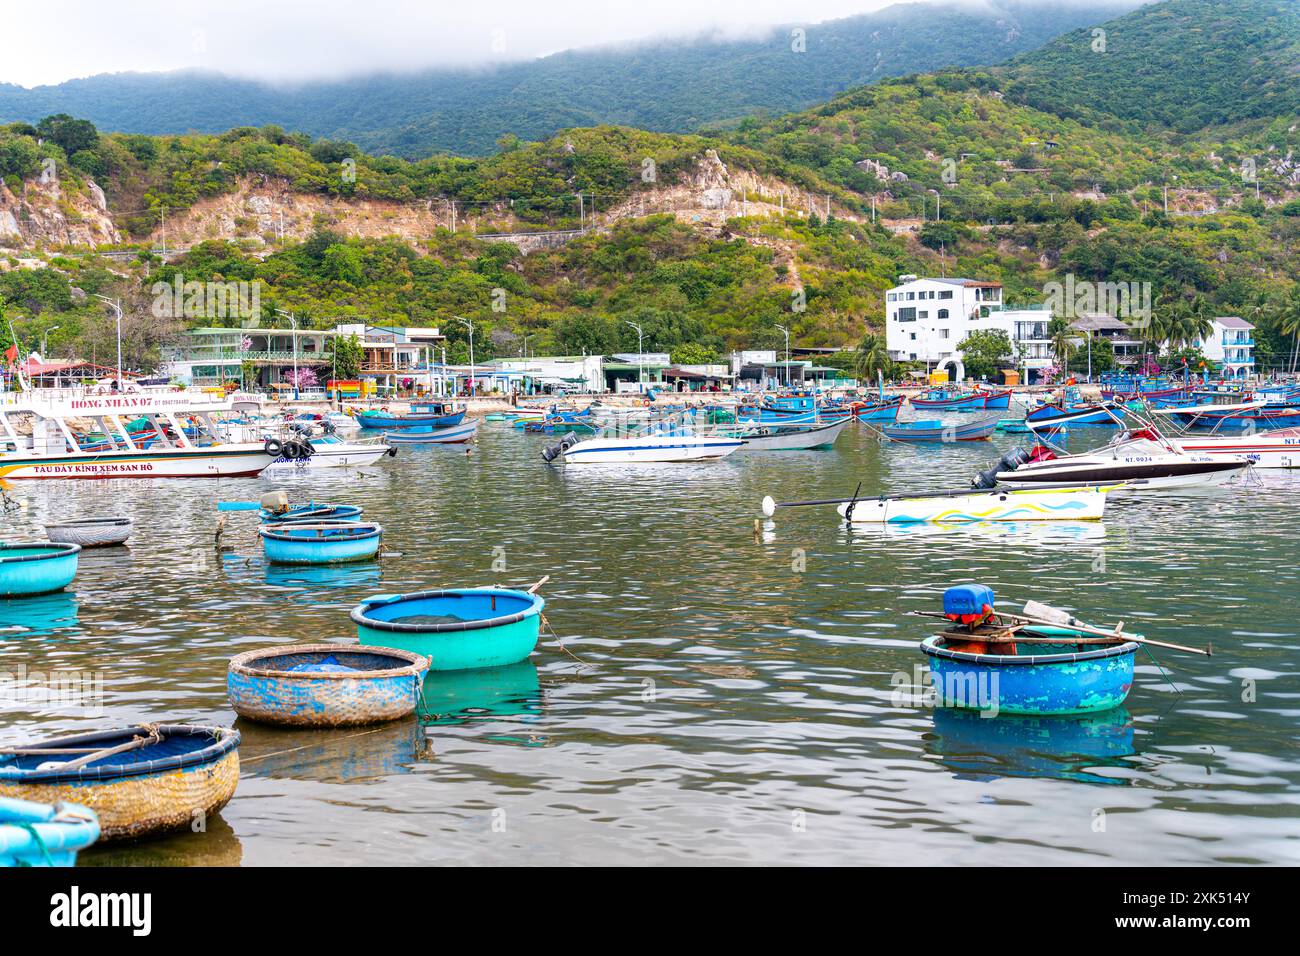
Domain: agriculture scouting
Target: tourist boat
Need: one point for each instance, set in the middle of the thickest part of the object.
(1071, 409)
(50, 449)
(933, 430)
(454, 629)
(949, 400)
(1279, 448)
(325, 685)
(784, 437)
(792, 410)
(960, 507)
(1253, 415)
(1014, 666)
(140, 781)
(90, 532)
(1130, 458)
(36, 568)
(422, 415)
(883, 410)
(41, 834)
(453, 435)
(658, 442)
(331, 451)
(320, 542)
(997, 401)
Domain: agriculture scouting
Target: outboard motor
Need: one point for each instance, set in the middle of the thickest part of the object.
(552, 452)
(988, 478)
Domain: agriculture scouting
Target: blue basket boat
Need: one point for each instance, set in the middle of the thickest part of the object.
(139, 781)
(325, 685)
(312, 512)
(27, 569)
(38, 834)
(455, 629)
(323, 542)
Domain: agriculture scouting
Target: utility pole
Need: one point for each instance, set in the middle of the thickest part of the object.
(469, 325)
(293, 322)
(640, 374)
(116, 306)
(786, 332)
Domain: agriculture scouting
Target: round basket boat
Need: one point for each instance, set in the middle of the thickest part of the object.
(90, 532)
(27, 569)
(171, 775)
(325, 685)
(38, 834)
(1040, 679)
(455, 629)
(320, 542)
(312, 513)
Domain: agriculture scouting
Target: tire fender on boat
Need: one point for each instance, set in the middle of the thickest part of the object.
(273, 447)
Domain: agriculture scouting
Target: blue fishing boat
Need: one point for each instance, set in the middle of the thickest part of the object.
(422, 415)
(1011, 664)
(310, 513)
(140, 781)
(997, 400)
(882, 410)
(320, 542)
(934, 430)
(38, 834)
(455, 629)
(325, 685)
(949, 400)
(453, 435)
(28, 569)
(792, 410)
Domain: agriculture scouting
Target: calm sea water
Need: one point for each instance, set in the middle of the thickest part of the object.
(741, 697)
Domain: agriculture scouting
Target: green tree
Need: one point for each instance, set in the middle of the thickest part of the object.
(693, 353)
(70, 134)
(347, 358)
(871, 357)
(985, 351)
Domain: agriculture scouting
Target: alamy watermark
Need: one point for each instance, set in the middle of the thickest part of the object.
(179, 299)
(967, 689)
(1077, 298)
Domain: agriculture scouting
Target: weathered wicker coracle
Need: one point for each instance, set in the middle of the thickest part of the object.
(380, 684)
(134, 794)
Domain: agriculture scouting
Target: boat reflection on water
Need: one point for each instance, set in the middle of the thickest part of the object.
(216, 845)
(1012, 532)
(322, 575)
(455, 697)
(43, 614)
(1062, 747)
(328, 755)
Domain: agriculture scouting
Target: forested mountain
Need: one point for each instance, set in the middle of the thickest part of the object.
(676, 86)
(1185, 64)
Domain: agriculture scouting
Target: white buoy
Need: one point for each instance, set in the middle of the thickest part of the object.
(769, 506)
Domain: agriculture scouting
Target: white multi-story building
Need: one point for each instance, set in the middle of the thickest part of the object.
(1232, 342)
(927, 319)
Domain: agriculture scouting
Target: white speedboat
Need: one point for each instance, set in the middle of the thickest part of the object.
(134, 434)
(652, 445)
(777, 437)
(330, 451)
(1146, 461)
(967, 507)
(1269, 449)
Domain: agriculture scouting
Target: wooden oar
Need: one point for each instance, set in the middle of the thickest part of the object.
(533, 589)
(1054, 617)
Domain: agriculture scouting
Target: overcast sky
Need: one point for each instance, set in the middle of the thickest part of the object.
(54, 40)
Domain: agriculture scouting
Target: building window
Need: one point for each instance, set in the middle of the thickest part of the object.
(943, 333)
(913, 339)
(943, 313)
(907, 314)
(923, 314)
(946, 294)
(893, 296)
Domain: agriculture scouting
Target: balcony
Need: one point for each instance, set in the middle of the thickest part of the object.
(1237, 343)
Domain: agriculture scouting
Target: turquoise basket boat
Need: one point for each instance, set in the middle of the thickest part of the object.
(139, 781)
(311, 513)
(38, 834)
(325, 685)
(1039, 679)
(455, 629)
(27, 569)
(324, 542)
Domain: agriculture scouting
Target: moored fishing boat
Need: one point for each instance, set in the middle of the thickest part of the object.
(320, 542)
(882, 410)
(455, 629)
(960, 507)
(933, 430)
(950, 400)
(139, 781)
(331, 451)
(1056, 414)
(325, 685)
(90, 532)
(784, 437)
(30, 569)
(452, 435)
(655, 443)
(426, 414)
(40, 834)
(997, 400)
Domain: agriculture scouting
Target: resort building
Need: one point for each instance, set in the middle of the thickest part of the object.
(579, 373)
(1122, 337)
(215, 356)
(1232, 342)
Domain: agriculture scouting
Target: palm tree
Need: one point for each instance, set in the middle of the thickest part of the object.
(871, 356)
(1062, 342)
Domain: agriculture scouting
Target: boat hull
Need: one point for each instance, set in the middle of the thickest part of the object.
(30, 569)
(650, 449)
(1196, 470)
(320, 543)
(1036, 505)
(793, 439)
(454, 435)
(340, 455)
(289, 686)
(37, 834)
(221, 462)
(91, 532)
(465, 628)
(937, 431)
(1263, 451)
(885, 412)
(1039, 684)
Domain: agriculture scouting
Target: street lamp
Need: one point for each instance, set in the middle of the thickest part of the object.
(786, 333)
(45, 335)
(936, 203)
(640, 375)
(116, 306)
(294, 323)
(469, 325)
